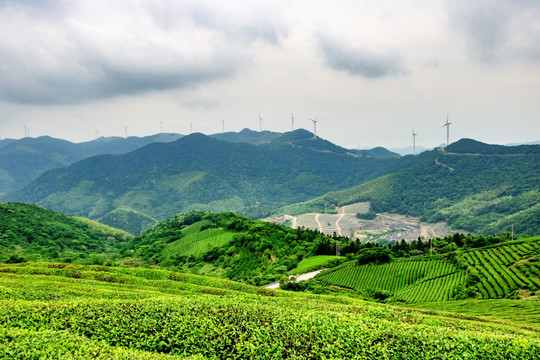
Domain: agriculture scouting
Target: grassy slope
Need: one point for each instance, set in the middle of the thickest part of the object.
(312, 263)
(197, 242)
(136, 313)
(523, 312)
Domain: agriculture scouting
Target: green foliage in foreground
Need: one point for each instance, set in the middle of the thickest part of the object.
(138, 313)
(523, 312)
(29, 232)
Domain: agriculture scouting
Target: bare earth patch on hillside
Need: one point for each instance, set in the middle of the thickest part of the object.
(385, 227)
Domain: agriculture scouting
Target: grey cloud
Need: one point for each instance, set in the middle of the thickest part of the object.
(359, 61)
(52, 54)
(496, 30)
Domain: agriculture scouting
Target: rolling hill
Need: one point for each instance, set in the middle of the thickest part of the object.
(470, 185)
(228, 245)
(29, 232)
(161, 180)
(59, 311)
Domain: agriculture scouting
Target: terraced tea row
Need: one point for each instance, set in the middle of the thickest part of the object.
(505, 270)
(421, 279)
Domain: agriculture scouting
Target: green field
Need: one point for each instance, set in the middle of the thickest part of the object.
(523, 312)
(509, 269)
(360, 208)
(504, 269)
(80, 312)
(196, 242)
(312, 263)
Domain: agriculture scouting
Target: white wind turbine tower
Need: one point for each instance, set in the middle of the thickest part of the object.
(260, 122)
(447, 124)
(222, 126)
(292, 121)
(160, 127)
(125, 129)
(314, 126)
(414, 141)
(25, 130)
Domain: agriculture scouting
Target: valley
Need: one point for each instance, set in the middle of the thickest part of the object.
(294, 180)
(367, 259)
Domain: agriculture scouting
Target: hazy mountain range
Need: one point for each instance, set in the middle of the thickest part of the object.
(160, 180)
(22, 161)
(469, 184)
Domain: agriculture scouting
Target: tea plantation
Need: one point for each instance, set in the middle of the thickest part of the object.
(52, 310)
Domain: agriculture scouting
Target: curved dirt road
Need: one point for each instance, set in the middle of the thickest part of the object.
(297, 278)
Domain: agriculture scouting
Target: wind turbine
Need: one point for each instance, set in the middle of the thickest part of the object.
(447, 124)
(25, 130)
(260, 122)
(160, 127)
(292, 121)
(414, 141)
(222, 126)
(314, 126)
(125, 130)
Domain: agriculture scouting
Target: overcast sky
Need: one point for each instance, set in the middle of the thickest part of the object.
(369, 70)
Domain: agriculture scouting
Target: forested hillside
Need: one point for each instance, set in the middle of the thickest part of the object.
(198, 172)
(29, 232)
(230, 246)
(470, 185)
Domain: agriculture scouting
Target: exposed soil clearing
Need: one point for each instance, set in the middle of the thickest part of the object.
(385, 227)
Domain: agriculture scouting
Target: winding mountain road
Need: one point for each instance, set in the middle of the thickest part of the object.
(297, 278)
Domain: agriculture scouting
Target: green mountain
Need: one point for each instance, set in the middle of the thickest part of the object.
(66, 311)
(229, 245)
(22, 161)
(29, 232)
(161, 180)
(470, 185)
(377, 152)
(248, 136)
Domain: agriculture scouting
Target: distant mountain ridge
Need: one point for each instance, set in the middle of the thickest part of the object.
(22, 161)
(199, 172)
